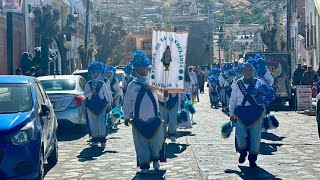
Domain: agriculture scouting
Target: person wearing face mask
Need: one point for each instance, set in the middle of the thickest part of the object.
(115, 91)
(127, 78)
(247, 114)
(97, 101)
(141, 104)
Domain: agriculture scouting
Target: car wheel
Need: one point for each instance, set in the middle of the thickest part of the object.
(53, 157)
(41, 167)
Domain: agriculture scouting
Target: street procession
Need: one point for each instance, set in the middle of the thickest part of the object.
(150, 89)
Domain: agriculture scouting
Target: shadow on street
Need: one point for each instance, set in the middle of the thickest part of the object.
(180, 134)
(91, 153)
(248, 173)
(47, 168)
(271, 137)
(172, 149)
(67, 132)
(152, 175)
(269, 148)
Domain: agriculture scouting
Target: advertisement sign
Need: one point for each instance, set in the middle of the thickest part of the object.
(169, 50)
(12, 5)
(304, 97)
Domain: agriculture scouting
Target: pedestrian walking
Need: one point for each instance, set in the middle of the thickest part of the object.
(97, 101)
(142, 106)
(247, 112)
(297, 75)
(201, 80)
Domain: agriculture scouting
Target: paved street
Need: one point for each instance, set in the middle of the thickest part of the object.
(290, 152)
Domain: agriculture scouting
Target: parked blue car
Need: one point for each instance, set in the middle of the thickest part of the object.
(28, 128)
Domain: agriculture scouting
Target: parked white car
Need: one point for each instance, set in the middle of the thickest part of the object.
(66, 95)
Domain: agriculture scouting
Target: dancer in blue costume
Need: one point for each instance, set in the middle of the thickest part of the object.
(169, 108)
(116, 93)
(127, 78)
(141, 105)
(97, 101)
(248, 115)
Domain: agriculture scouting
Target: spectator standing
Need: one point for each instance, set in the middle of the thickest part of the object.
(26, 63)
(308, 77)
(297, 75)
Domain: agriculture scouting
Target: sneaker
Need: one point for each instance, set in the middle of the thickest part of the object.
(103, 145)
(172, 138)
(94, 144)
(144, 171)
(156, 165)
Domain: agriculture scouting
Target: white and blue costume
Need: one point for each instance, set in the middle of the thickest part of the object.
(142, 106)
(169, 110)
(127, 78)
(96, 104)
(249, 117)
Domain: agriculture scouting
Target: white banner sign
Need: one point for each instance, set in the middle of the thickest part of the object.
(12, 5)
(168, 48)
(304, 97)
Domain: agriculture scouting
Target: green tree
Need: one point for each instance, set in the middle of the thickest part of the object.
(110, 35)
(47, 19)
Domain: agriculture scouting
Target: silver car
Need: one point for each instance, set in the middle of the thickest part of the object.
(66, 95)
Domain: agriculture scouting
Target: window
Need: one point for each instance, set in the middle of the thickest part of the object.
(58, 84)
(38, 95)
(82, 83)
(15, 98)
(147, 45)
(44, 95)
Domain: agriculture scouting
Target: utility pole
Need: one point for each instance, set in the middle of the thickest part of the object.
(86, 34)
(289, 17)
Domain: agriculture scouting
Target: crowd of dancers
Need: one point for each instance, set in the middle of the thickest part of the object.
(244, 92)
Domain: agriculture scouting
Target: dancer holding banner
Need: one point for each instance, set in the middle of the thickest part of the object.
(141, 105)
(248, 114)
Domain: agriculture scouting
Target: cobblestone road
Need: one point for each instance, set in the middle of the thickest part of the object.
(290, 152)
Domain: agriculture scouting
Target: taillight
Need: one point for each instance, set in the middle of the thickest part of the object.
(77, 101)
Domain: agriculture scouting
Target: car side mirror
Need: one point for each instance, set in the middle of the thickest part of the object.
(44, 110)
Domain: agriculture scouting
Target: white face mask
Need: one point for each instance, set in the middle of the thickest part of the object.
(143, 79)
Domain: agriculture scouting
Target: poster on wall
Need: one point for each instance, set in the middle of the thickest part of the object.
(304, 97)
(12, 6)
(169, 50)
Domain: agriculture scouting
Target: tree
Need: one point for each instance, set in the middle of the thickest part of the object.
(110, 36)
(47, 19)
(60, 40)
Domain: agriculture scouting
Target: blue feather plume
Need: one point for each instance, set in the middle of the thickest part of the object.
(226, 129)
(190, 107)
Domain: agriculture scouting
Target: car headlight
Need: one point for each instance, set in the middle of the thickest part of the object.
(24, 135)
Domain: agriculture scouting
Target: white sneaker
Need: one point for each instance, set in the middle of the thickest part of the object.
(103, 145)
(172, 138)
(144, 171)
(156, 165)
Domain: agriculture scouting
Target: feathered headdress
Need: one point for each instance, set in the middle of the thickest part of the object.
(253, 62)
(231, 72)
(239, 69)
(227, 66)
(128, 69)
(140, 59)
(96, 66)
(110, 69)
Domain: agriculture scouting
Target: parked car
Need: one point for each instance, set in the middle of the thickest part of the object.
(66, 95)
(83, 73)
(27, 130)
(318, 113)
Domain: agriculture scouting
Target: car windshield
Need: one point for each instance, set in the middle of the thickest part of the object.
(85, 75)
(58, 84)
(15, 98)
